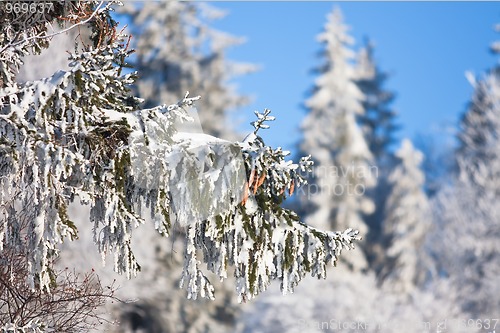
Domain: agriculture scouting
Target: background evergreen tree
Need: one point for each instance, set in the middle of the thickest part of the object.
(466, 210)
(378, 121)
(332, 135)
(478, 155)
(379, 127)
(407, 222)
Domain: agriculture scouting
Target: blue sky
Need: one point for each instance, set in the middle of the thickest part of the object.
(426, 46)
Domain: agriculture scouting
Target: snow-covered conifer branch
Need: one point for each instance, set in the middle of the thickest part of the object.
(261, 118)
(80, 134)
(261, 239)
(185, 102)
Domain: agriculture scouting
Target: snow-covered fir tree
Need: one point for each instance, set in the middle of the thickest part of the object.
(478, 156)
(177, 51)
(407, 221)
(378, 125)
(468, 208)
(378, 120)
(80, 135)
(330, 132)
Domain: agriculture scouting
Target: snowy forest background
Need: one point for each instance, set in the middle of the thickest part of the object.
(429, 260)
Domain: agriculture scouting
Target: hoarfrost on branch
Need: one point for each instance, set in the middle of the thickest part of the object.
(80, 134)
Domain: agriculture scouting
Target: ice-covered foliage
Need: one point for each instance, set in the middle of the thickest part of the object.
(333, 137)
(79, 135)
(177, 51)
(258, 237)
(50, 148)
(407, 222)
